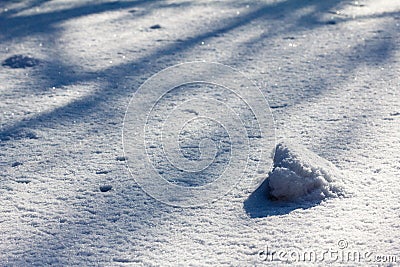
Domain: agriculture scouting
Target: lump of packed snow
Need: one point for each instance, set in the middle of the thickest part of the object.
(299, 174)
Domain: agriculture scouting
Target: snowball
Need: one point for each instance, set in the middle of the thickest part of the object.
(299, 174)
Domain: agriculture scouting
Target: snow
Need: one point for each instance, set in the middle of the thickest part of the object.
(299, 174)
(20, 61)
(332, 87)
(203, 127)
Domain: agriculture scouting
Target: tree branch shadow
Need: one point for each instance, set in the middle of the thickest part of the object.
(115, 74)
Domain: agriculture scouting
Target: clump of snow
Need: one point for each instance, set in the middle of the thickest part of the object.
(299, 174)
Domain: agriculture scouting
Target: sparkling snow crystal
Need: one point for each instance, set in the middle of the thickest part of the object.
(300, 174)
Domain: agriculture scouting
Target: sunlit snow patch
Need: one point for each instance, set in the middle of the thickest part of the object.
(299, 174)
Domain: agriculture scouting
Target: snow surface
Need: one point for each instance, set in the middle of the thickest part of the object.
(329, 69)
(299, 174)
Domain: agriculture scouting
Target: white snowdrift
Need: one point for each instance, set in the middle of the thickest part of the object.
(300, 174)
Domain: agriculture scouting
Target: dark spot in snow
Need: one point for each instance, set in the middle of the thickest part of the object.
(122, 260)
(132, 11)
(15, 164)
(278, 106)
(20, 62)
(156, 26)
(289, 38)
(62, 220)
(18, 135)
(333, 119)
(395, 114)
(103, 172)
(121, 158)
(85, 253)
(30, 135)
(113, 220)
(191, 111)
(105, 188)
(22, 181)
(331, 22)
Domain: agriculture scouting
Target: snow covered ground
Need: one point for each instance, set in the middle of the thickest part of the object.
(329, 69)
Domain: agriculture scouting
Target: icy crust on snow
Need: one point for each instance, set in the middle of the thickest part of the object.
(300, 174)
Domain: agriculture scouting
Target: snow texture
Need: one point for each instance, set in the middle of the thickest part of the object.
(20, 61)
(329, 69)
(300, 174)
